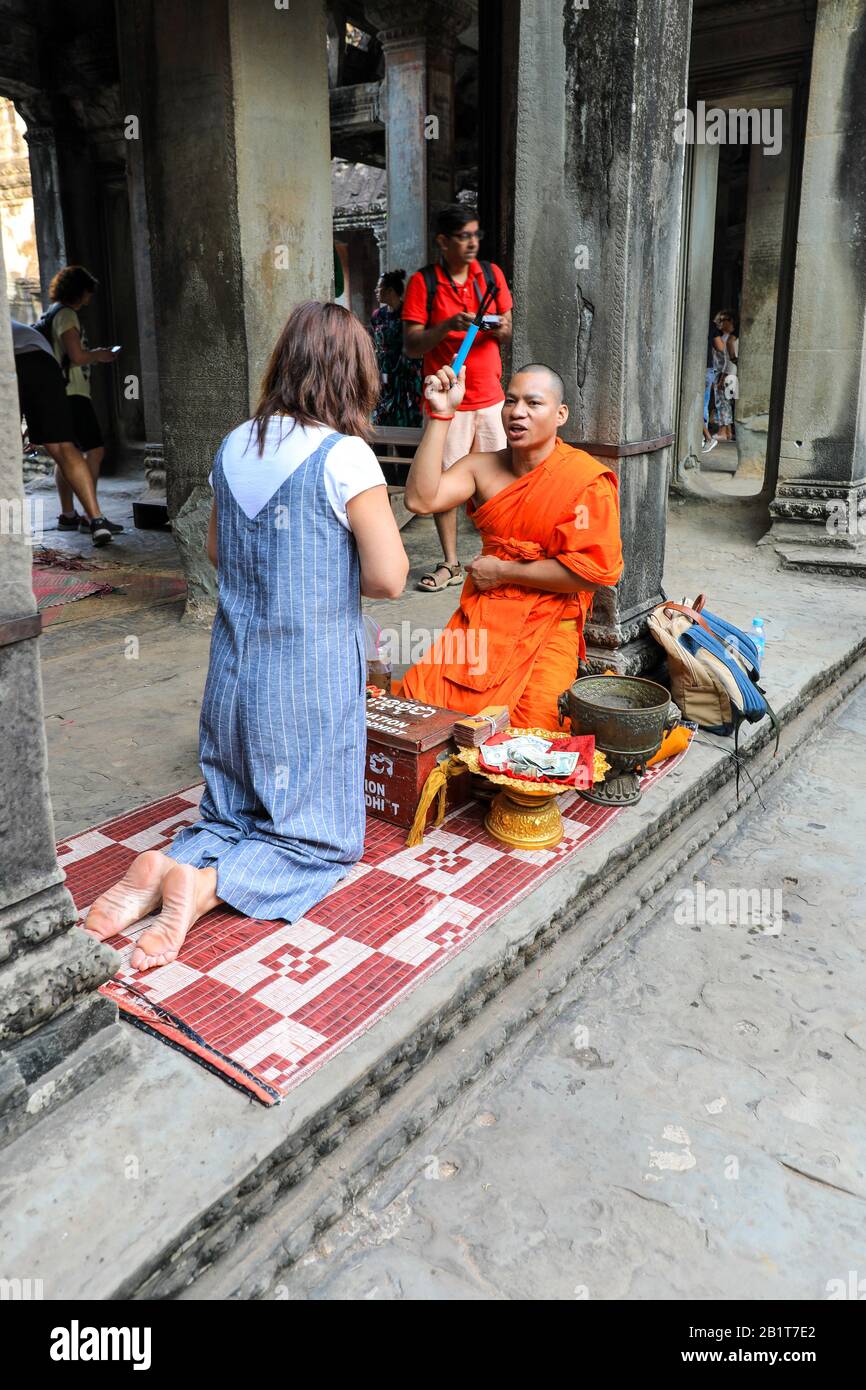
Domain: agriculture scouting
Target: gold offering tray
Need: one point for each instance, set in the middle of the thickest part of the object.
(524, 814)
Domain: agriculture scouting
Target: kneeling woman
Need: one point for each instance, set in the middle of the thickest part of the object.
(301, 527)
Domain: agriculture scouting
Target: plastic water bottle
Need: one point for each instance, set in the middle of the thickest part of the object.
(378, 661)
(758, 637)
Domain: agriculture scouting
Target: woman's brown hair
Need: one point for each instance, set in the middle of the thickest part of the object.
(322, 371)
(70, 284)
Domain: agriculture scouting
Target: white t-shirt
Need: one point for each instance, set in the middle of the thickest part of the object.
(350, 468)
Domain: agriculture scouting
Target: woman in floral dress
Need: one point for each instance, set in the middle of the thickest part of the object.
(400, 399)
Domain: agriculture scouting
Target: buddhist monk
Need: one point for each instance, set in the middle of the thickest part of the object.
(548, 518)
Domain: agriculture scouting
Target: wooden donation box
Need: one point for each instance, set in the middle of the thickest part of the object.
(405, 739)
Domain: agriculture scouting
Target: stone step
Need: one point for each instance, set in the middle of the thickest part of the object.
(816, 559)
(710, 464)
(50, 1067)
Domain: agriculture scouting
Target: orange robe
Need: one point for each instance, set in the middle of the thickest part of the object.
(520, 647)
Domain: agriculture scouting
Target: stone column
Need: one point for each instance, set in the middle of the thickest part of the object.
(129, 41)
(55, 1033)
(598, 206)
(236, 148)
(419, 41)
(820, 498)
(45, 182)
(762, 260)
(696, 316)
(380, 231)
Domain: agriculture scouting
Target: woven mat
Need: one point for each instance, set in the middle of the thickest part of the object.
(54, 587)
(264, 1004)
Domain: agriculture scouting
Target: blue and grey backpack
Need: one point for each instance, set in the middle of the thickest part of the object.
(714, 668)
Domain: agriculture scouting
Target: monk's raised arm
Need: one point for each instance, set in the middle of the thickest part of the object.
(428, 489)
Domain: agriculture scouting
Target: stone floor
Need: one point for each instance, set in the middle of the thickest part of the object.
(691, 1125)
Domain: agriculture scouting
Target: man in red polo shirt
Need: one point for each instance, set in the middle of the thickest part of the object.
(460, 285)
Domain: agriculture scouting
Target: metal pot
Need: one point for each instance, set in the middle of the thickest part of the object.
(627, 715)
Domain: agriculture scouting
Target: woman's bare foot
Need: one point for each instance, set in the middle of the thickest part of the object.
(137, 894)
(187, 894)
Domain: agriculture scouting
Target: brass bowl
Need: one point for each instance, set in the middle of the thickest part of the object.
(627, 715)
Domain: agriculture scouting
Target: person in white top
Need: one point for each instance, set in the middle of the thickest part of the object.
(349, 469)
(301, 527)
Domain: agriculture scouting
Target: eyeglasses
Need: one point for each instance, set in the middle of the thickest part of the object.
(467, 236)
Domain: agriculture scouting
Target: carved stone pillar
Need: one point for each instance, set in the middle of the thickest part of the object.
(419, 41)
(762, 257)
(236, 151)
(598, 202)
(45, 182)
(130, 37)
(819, 511)
(129, 40)
(380, 233)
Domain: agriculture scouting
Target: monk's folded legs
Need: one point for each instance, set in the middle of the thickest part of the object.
(555, 669)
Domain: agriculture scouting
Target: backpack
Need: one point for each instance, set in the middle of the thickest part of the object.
(45, 325)
(430, 281)
(713, 669)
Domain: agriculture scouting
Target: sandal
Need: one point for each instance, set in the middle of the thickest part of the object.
(428, 582)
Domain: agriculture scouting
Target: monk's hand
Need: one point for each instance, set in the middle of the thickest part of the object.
(444, 391)
(487, 572)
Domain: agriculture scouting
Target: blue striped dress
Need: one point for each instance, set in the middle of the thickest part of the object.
(282, 733)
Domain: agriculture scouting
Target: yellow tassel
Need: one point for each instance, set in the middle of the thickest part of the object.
(436, 785)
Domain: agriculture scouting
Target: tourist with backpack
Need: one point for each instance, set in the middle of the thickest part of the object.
(72, 289)
(43, 402)
(440, 304)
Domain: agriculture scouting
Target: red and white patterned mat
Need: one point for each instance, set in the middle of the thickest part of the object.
(265, 1003)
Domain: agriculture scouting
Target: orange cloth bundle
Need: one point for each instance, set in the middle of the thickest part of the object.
(675, 740)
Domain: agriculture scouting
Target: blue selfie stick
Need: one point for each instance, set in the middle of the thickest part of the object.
(471, 333)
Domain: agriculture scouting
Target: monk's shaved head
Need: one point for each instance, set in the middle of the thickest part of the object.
(555, 381)
(533, 411)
